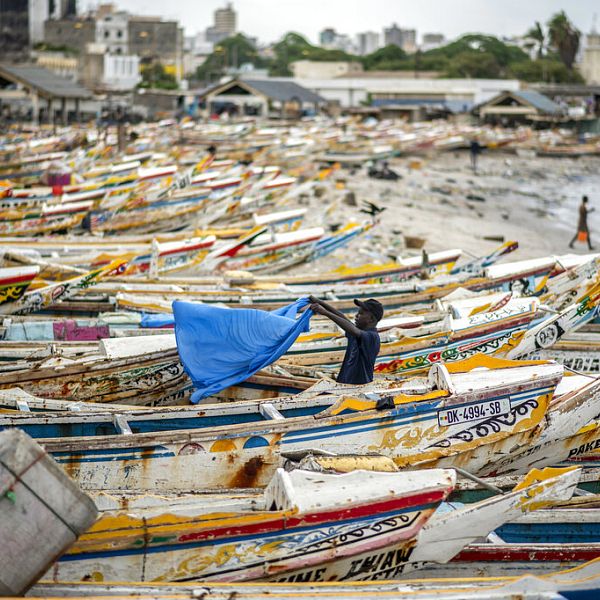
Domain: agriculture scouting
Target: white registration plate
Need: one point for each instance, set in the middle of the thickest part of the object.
(473, 412)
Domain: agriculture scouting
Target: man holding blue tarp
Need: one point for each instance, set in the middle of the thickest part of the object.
(220, 347)
(363, 338)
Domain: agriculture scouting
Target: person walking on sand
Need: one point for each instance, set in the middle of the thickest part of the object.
(583, 232)
(475, 148)
(363, 338)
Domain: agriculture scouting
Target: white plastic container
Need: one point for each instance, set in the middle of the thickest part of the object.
(42, 512)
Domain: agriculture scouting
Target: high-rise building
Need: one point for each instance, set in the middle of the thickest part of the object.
(367, 42)
(224, 26)
(14, 26)
(432, 41)
(226, 20)
(403, 38)
(60, 9)
(332, 40)
(22, 25)
(327, 37)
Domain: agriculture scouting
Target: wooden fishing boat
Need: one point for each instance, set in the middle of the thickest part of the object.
(449, 531)
(510, 560)
(579, 351)
(47, 219)
(527, 276)
(427, 266)
(300, 518)
(14, 281)
(512, 331)
(303, 527)
(573, 408)
(142, 370)
(241, 444)
(48, 295)
(581, 582)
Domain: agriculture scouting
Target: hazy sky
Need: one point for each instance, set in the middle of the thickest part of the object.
(269, 19)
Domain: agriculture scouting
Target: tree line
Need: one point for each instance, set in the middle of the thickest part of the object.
(548, 55)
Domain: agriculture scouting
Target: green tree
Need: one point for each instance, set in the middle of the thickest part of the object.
(230, 52)
(382, 58)
(469, 64)
(537, 39)
(293, 47)
(155, 76)
(564, 37)
(548, 69)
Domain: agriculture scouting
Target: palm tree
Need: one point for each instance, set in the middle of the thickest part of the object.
(538, 38)
(564, 36)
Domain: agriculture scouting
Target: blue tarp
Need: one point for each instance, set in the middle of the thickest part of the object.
(157, 320)
(220, 347)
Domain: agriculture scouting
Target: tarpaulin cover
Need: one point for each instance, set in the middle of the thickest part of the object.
(220, 347)
(158, 320)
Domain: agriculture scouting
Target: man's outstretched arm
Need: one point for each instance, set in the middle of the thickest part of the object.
(338, 318)
(327, 307)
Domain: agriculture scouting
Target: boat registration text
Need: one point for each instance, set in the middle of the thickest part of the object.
(473, 412)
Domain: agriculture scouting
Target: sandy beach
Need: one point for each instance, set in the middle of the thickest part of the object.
(533, 200)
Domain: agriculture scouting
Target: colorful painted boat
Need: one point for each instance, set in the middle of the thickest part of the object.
(240, 444)
(304, 527)
(581, 582)
(14, 281)
(301, 518)
(48, 295)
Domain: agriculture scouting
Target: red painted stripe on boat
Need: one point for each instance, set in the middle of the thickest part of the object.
(355, 512)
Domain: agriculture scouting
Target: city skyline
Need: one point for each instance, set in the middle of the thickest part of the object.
(308, 17)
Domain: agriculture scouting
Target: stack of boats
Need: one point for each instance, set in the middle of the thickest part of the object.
(472, 453)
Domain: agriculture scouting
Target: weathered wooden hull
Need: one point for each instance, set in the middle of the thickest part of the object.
(376, 540)
(224, 543)
(582, 582)
(246, 454)
(550, 443)
(14, 282)
(514, 560)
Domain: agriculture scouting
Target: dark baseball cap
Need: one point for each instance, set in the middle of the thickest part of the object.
(373, 306)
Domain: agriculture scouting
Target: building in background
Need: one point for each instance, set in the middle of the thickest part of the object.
(103, 71)
(22, 23)
(327, 36)
(224, 26)
(431, 41)
(367, 42)
(112, 45)
(157, 41)
(403, 38)
(60, 9)
(112, 29)
(73, 33)
(590, 60)
(330, 39)
(14, 27)
(316, 69)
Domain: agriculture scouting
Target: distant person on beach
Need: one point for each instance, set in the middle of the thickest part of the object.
(363, 338)
(475, 148)
(583, 232)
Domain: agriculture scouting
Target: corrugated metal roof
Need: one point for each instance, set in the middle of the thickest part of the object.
(454, 106)
(538, 101)
(44, 81)
(284, 91)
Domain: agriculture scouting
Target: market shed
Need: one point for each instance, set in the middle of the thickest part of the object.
(262, 97)
(50, 95)
(522, 105)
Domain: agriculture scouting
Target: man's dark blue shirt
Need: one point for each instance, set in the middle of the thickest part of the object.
(359, 360)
